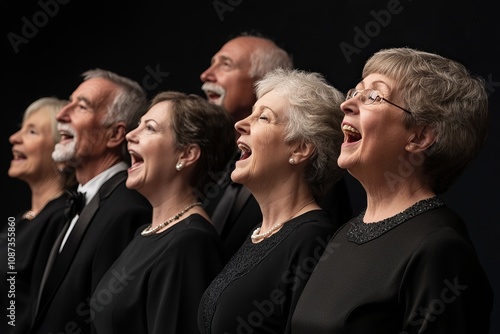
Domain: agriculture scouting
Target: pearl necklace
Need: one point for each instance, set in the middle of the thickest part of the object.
(30, 214)
(148, 230)
(257, 237)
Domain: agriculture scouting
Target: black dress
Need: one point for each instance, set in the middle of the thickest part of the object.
(258, 288)
(416, 272)
(30, 242)
(156, 284)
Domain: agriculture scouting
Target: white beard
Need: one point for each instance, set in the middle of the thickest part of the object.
(64, 152)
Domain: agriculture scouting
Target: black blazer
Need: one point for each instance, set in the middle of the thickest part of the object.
(67, 307)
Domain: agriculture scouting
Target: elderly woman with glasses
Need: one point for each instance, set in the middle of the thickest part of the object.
(406, 263)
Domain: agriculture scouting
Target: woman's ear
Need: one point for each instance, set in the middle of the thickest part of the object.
(421, 139)
(189, 155)
(302, 151)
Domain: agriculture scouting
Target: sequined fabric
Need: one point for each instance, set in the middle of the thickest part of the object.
(360, 232)
(246, 258)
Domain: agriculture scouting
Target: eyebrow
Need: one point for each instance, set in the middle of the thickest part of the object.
(266, 107)
(28, 125)
(274, 113)
(149, 120)
(376, 85)
(81, 98)
(222, 58)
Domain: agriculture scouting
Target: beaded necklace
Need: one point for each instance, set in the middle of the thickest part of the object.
(148, 230)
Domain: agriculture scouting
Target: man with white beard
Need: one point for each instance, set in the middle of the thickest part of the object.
(103, 108)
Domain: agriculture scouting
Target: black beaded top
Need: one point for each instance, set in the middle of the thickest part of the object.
(246, 258)
(360, 232)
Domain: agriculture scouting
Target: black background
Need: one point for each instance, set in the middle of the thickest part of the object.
(46, 45)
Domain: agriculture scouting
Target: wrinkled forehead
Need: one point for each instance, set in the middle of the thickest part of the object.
(237, 50)
(97, 92)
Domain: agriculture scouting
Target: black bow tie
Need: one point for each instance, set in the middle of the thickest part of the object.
(75, 201)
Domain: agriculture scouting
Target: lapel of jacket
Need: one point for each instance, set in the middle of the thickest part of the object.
(239, 203)
(65, 257)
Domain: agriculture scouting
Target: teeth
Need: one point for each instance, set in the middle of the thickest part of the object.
(245, 151)
(18, 155)
(244, 148)
(349, 128)
(134, 156)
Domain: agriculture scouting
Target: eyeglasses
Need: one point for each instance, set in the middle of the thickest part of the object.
(370, 96)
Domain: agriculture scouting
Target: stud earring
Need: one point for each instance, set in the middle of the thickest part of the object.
(179, 166)
(291, 161)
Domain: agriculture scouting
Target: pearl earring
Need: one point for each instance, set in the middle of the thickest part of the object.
(179, 166)
(291, 161)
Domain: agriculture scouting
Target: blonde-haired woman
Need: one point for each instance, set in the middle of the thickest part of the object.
(28, 236)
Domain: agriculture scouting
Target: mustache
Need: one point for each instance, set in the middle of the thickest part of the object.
(214, 88)
(65, 127)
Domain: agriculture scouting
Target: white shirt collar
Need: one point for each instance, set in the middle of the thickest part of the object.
(92, 187)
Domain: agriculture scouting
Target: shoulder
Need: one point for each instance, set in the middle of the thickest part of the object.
(311, 232)
(196, 227)
(440, 226)
(193, 237)
(441, 244)
(314, 223)
(122, 199)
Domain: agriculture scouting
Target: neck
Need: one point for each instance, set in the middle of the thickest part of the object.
(171, 220)
(382, 205)
(86, 171)
(169, 206)
(286, 209)
(43, 193)
(279, 198)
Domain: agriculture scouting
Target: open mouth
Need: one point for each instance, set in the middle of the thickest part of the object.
(135, 159)
(351, 134)
(213, 92)
(214, 98)
(245, 151)
(213, 95)
(18, 156)
(66, 136)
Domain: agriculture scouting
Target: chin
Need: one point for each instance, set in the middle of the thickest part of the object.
(130, 184)
(236, 177)
(12, 173)
(342, 163)
(244, 179)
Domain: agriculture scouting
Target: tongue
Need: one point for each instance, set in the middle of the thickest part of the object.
(244, 155)
(353, 137)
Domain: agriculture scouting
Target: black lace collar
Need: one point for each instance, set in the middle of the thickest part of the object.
(360, 232)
